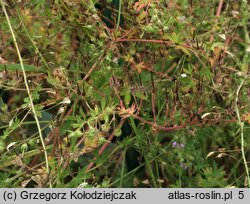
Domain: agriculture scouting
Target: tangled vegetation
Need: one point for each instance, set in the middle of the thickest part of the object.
(123, 93)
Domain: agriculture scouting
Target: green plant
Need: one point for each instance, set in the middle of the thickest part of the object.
(164, 81)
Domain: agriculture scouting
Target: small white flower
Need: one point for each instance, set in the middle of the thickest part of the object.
(223, 36)
(183, 75)
(235, 13)
(115, 60)
(60, 111)
(83, 185)
(210, 154)
(221, 155)
(10, 122)
(66, 101)
(50, 127)
(10, 146)
(205, 115)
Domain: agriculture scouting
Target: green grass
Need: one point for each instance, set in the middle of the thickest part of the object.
(106, 85)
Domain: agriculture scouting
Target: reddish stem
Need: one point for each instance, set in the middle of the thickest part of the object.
(104, 146)
(217, 14)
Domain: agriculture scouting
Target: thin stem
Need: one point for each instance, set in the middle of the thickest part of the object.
(104, 146)
(123, 167)
(27, 87)
(241, 130)
(119, 14)
(244, 68)
(217, 15)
